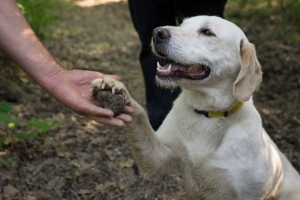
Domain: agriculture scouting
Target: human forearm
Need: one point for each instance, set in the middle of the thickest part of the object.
(18, 41)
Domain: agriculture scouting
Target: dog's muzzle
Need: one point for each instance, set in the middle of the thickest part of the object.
(161, 35)
(161, 38)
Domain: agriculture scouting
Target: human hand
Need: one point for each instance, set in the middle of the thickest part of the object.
(72, 88)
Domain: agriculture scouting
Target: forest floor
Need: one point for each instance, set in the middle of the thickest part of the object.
(84, 159)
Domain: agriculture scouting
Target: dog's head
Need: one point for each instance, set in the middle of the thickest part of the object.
(208, 52)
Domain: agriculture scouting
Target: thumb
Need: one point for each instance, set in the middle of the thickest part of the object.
(118, 78)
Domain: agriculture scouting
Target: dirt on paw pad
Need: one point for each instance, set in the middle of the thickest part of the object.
(108, 100)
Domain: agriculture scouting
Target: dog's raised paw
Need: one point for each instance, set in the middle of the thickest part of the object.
(108, 93)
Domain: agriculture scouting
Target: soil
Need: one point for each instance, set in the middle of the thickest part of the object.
(84, 159)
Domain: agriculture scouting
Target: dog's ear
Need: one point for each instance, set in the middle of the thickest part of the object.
(250, 75)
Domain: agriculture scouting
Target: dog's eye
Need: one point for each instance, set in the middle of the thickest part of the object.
(207, 32)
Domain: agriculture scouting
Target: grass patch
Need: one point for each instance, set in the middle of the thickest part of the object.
(286, 10)
(43, 15)
(15, 129)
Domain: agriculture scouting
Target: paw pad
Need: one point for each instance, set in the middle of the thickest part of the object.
(108, 100)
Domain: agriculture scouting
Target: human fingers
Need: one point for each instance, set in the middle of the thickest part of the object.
(92, 110)
(89, 75)
(118, 78)
(108, 121)
(128, 110)
(125, 118)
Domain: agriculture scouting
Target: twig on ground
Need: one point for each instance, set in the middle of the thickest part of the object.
(75, 194)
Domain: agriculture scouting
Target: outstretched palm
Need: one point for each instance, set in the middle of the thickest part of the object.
(72, 88)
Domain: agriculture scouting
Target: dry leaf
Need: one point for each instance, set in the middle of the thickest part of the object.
(5, 176)
(108, 184)
(97, 140)
(9, 191)
(109, 153)
(40, 166)
(30, 168)
(122, 187)
(63, 154)
(84, 191)
(31, 198)
(87, 166)
(127, 163)
(50, 185)
(24, 80)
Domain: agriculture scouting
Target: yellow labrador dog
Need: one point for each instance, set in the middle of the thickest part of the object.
(213, 134)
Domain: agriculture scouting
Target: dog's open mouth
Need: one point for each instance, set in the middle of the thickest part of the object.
(178, 71)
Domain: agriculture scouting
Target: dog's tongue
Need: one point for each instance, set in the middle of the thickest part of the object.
(176, 67)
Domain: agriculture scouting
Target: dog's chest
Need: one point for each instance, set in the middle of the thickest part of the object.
(200, 135)
(201, 138)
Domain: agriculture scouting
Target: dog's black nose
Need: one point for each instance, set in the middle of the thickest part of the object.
(161, 35)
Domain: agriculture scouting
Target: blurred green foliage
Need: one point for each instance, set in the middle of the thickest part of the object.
(287, 10)
(6, 162)
(42, 14)
(14, 127)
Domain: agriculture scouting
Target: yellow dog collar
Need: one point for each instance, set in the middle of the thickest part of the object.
(220, 114)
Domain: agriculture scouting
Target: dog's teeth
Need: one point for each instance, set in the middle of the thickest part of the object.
(158, 65)
(169, 68)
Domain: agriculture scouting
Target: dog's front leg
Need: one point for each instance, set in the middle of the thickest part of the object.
(152, 155)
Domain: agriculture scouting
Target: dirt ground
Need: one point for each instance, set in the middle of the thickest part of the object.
(87, 160)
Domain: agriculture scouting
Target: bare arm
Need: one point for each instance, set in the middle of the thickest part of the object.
(18, 41)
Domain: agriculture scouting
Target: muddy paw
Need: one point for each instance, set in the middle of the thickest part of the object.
(109, 93)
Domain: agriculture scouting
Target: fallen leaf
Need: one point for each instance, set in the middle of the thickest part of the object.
(75, 164)
(30, 168)
(122, 187)
(109, 184)
(5, 176)
(31, 198)
(82, 155)
(128, 163)
(87, 166)
(97, 140)
(40, 166)
(50, 185)
(24, 80)
(84, 191)
(109, 153)
(63, 154)
(9, 191)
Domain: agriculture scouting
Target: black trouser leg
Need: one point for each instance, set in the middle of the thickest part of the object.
(147, 15)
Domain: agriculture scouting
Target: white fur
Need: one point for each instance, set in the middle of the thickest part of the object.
(230, 158)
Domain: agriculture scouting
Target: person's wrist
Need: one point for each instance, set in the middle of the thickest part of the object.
(50, 80)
